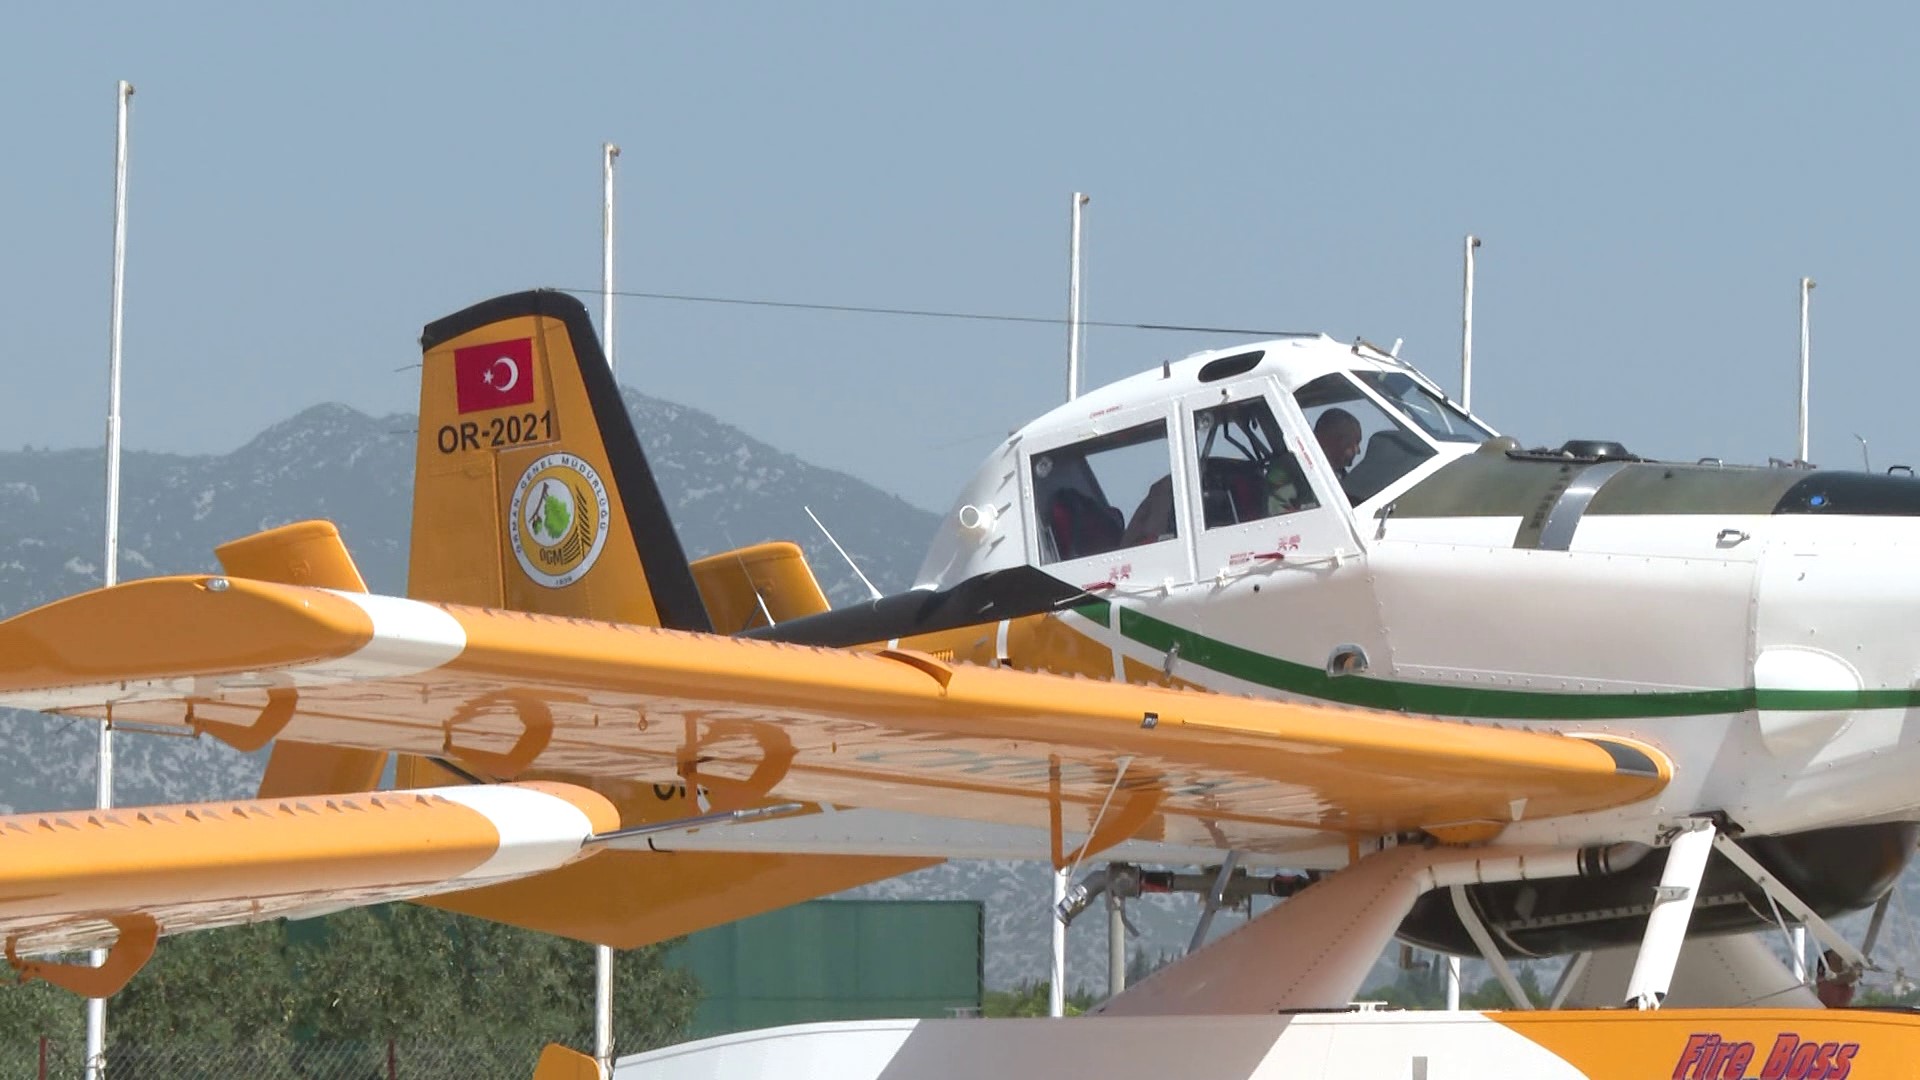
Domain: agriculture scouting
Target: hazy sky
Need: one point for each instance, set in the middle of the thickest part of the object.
(310, 185)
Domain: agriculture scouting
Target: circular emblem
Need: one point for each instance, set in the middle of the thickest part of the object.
(557, 521)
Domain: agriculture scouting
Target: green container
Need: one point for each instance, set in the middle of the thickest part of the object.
(838, 960)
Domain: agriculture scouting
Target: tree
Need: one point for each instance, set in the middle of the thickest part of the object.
(32, 1011)
(1033, 999)
(457, 996)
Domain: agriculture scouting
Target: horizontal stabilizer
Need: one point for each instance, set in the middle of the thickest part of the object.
(762, 585)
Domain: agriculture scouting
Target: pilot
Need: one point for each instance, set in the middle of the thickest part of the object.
(1339, 435)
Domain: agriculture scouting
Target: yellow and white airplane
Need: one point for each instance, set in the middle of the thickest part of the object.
(1280, 606)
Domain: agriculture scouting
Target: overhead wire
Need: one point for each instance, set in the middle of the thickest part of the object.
(932, 313)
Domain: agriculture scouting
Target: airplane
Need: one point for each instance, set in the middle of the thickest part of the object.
(1282, 606)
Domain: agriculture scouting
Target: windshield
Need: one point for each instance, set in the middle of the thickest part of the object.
(1367, 447)
(1435, 416)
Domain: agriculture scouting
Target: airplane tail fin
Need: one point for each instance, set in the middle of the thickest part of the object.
(531, 491)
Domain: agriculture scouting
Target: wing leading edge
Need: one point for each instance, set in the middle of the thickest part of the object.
(742, 720)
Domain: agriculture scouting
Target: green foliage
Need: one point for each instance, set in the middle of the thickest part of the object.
(1900, 993)
(555, 517)
(416, 975)
(35, 1010)
(230, 987)
(1491, 995)
(1140, 965)
(1032, 999)
(1424, 986)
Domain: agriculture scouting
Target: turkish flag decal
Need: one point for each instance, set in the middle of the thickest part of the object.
(496, 376)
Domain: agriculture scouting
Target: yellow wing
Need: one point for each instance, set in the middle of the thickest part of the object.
(90, 878)
(499, 692)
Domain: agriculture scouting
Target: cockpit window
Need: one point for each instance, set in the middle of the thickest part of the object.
(1435, 415)
(1246, 471)
(1079, 492)
(1367, 447)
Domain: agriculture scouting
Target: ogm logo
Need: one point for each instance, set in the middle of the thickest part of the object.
(557, 520)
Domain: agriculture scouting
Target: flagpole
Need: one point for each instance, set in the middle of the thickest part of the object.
(1806, 365)
(1466, 330)
(608, 152)
(603, 954)
(96, 1063)
(1073, 299)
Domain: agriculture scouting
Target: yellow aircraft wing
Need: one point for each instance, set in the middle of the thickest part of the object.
(740, 721)
(89, 878)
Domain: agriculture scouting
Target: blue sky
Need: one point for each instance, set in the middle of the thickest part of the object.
(310, 185)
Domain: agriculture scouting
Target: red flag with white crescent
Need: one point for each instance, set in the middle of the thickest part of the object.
(496, 376)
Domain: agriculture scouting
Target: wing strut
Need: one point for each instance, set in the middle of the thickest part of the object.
(1490, 952)
(1672, 909)
(1822, 929)
(130, 952)
(1216, 896)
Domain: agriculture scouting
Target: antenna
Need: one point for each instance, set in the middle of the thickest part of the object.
(1866, 462)
(871, 591)
(748, 574)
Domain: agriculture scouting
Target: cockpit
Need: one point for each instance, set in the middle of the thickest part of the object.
(1391, 411)
(1223, 456)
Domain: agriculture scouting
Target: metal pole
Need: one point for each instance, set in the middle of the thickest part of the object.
(1466, 326)
(603, 954)
(603, 1008)
(1797, 944)
(1806, 294)
(96, 1064)
(1073, 301)
(608, 152)
(1057, 985)
(1116, 946)
(1453, 984)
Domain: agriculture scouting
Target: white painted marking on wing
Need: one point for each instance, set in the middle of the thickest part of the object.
(537, 831)
(409, 637)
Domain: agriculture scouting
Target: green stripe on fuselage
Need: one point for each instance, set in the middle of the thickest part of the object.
(1476, 702)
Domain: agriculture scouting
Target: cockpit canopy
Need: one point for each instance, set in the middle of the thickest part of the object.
(1168, 458)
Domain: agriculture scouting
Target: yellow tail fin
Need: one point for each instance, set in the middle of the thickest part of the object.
(531, 491)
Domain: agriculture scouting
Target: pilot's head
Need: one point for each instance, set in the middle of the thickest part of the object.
(1339, 435)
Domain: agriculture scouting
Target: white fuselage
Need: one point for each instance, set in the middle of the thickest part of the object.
(1768, 653)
